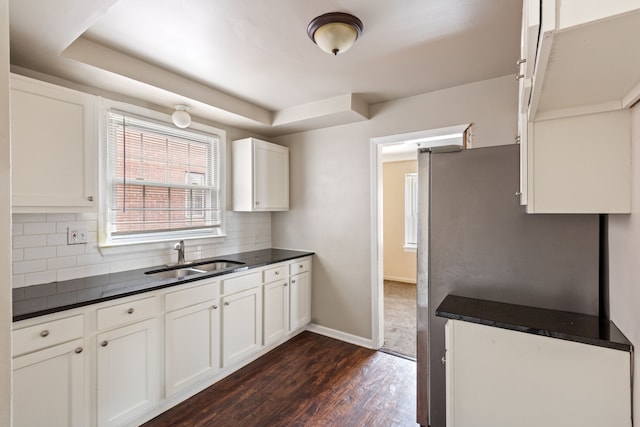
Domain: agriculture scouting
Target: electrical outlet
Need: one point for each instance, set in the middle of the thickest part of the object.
(76, 235)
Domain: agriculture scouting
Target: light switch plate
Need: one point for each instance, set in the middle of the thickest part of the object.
(76, 235)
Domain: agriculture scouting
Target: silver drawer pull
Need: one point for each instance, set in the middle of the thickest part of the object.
(104, 343)
(130, 311)
(78, 350)
(44, 333)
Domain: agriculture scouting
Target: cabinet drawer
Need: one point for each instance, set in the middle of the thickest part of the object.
(192, 296)
(273, 274)
(47, 334)
(241, 283)
(299, 267)
(128, 312)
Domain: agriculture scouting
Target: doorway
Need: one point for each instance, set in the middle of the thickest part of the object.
(399, 263)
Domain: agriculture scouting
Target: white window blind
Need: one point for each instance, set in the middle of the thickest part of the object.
(161, 179)
(411, 211)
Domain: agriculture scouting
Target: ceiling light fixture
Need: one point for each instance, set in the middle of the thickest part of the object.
(181, 117)
(334, 32)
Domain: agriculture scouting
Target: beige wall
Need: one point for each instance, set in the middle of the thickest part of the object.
(330, 189)
(399, 264)
(5, 222)
(624, 253)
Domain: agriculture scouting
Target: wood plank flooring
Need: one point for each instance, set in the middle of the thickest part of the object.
(311, 380)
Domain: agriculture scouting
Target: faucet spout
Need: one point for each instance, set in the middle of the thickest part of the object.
(180, 248)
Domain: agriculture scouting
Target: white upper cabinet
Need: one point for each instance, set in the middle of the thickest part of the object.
(53, 147)
(578, 74)
(260, 176)
(587, 58)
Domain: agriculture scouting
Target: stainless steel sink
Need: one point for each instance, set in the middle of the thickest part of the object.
(174, 273)
(177, 271)
(218, 265)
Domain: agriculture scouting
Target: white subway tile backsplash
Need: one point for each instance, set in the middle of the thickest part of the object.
(39, 228)
(17, 255)
(56, 239)
(69, 250)
(29, 241)
(38, 278)
(30, 217)
(41, 254)
(61, 263)
(33, 266)
(17, 229)
(61, 217)
(70, 273)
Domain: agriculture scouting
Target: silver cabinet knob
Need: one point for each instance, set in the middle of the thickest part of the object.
(277, 273)
(293, 281)
(444, 360)
(130, 311)
(78, 350)
(90, 198)
(215, 307)
(286, 284)
(104, 343)
(518, 193)
(519, 76)
(521, 61)
(226, 303)
(257, 203)
(44, 333)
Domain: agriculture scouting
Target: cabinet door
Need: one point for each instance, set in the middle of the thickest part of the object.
(53, 146)
(127, 372)
(49, 387)
(300, 300)
(276, 311)
(271, 176)
(192, 345)
(241, 325)
(576, 384)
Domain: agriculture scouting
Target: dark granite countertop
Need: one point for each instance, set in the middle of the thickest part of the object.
(563, 325)
(38, 300)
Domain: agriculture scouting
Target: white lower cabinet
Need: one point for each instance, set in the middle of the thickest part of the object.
(192, 345)
(241, 325)
(300, 300)
(48, 387)
(127, 373)
(502, 378)
(106, 365)
(276, 311)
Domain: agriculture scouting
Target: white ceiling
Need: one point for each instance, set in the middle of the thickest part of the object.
(250, 63)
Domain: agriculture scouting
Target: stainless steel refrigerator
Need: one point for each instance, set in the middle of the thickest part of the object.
(476, 240)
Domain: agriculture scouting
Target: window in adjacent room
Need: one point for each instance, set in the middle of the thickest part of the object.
(411, 212)
(162, 183)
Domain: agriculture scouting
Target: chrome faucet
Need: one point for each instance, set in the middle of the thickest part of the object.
(180, 248)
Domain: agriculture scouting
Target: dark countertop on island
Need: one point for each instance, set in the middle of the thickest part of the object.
(563, 325)
(38, 300)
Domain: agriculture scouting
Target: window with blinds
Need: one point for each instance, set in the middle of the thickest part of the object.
(162, 181)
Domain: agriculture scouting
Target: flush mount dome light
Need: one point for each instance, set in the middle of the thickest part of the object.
(181, 117)
(334, 32)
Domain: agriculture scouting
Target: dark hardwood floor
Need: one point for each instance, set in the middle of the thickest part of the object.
(310, 380)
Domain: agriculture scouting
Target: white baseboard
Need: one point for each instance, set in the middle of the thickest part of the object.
(400, 279)
(342, 336)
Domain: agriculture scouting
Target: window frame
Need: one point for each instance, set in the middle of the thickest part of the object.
(105, 239)
(411, 212)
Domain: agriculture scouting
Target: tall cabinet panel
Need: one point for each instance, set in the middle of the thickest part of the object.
(53, 146)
